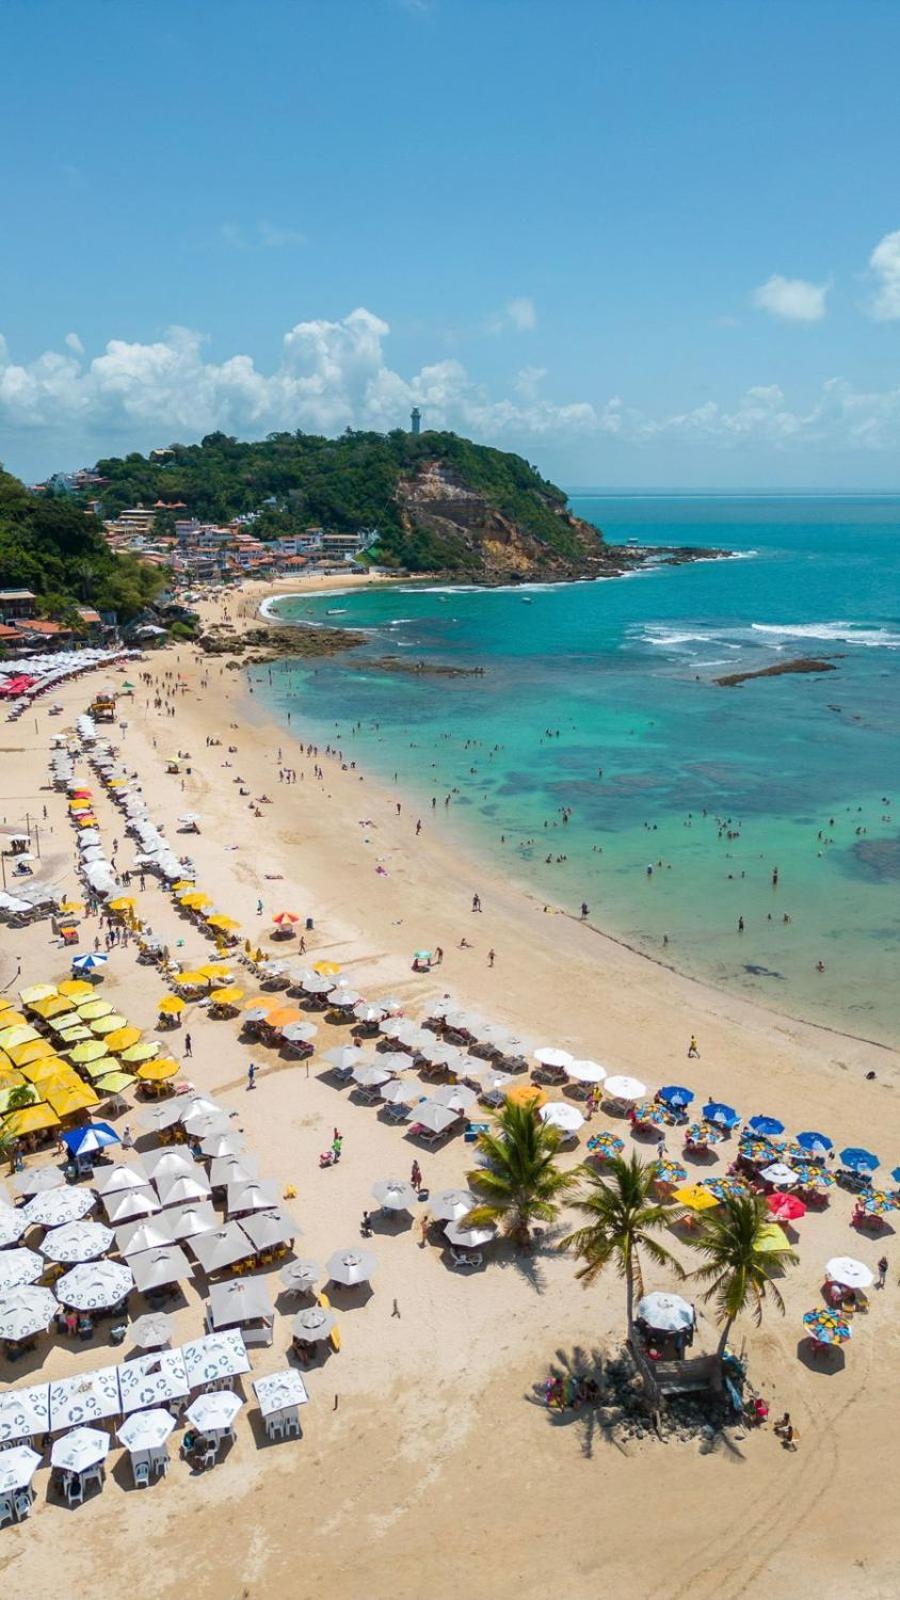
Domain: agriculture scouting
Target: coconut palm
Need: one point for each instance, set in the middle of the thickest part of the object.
(740, 1260)
(520, 1182)
(623, 1218)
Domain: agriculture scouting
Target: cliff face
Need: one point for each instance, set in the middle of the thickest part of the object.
(484, 541)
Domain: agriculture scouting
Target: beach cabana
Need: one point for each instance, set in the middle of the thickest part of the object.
(279, 1396)
(245, 1305)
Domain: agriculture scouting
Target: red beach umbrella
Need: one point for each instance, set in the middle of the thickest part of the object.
(785, 1207)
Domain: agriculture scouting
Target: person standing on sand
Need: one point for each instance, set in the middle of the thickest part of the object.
(692, 1047)
(251, 1076)
(882, 1273)
(188, 1046)
(491, 957)
(476, 902)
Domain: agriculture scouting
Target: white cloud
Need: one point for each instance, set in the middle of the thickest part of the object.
(884, 265)
(74, 343)
(334, 374)
(522, 314)
(792, 299)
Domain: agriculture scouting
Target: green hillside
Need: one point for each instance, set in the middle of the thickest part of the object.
(49, 544)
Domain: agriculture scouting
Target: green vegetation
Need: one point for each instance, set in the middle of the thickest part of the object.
(344, 484)
(520, 1183)
(623, 1219)
(740, 1261)
(49, 544)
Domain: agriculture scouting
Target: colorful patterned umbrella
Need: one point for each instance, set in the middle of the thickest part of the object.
(827, 1326)
(725, 1188)
(648, 1114)
(700, 1134)
(665, 1171)
(876, 1203)
(606, 1146)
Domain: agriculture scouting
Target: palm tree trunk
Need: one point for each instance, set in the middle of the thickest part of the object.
(629, 1300)
(725, 1335)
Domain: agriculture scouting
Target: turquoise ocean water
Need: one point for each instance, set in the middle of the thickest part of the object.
(597, 699)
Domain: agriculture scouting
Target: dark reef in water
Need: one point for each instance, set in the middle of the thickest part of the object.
(802, 664)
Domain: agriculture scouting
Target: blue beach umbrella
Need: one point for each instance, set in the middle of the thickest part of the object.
(723, 1116)
(82, 1141)
(676, 1096)
(859, 1160)
(90, 962)
(814, 1142)
(896, 1174)
(769, 1127)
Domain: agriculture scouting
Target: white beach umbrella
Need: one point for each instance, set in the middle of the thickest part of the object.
(158, 1118)
(179, 1191)
(350, 1267)
(94, 1285)
(155, 1269)
(567, 1119)
(84, 1397)
(344, 999)
(80, 1449)
(625, 1089)
(457, 1097)
(212, 1412)
(206, 1124)
(435, 1117)
(146, 1430)
(234, 1169)
(187, 1222)
(77, 1241)
(394, 1194)
(299, 1275)
(25, 1412)
(314, 984)
(57, 1206)
(255, 1195)
(215, 1356)
(367, 1014)
(345, 1057)
(493, 1083)
(586, 1071)
(668, 1313)
(468, 1238)
(299, 1032)
(151, 1331)
(369, 1076)
(269, 1228)
(451, 1205)
(38, 1180)
(548, 1057)
(12, 1225)
(313, 1325)
(17, 1468)
(276, 1391)
(126, 1204)
(19, 1266)
(222, 1145)
(393, 1060)
(25, 1311)
(849, 1273)
(160, 1166)
(118, 1178)
(780, 1174)
(217, 1248)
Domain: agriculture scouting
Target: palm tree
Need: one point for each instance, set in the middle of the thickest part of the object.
(739, 1263)
(623, 1218)
(520, 1182)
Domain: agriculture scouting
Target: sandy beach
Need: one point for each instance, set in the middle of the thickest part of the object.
(426, 1460)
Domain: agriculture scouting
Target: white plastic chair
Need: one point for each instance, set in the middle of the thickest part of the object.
(6, 1513)
(274, 1427)
(23, 1502)
(140, 1471)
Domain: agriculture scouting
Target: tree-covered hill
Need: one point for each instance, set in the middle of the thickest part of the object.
(51, 545)
(359, 481)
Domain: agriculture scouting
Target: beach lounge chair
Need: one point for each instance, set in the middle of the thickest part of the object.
(466, 1258)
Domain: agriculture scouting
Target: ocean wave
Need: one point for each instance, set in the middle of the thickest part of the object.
(832, 633)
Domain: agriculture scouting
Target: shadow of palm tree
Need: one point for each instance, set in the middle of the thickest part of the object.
(585, 1417)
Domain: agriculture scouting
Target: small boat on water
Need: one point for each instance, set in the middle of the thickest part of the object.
(526, 599)
(336, 611)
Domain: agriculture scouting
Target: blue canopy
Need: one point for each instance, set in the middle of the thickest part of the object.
(674, 1095)
(769, 1127)
(93, 1136)
(896, 1174)
(724, 1116)
(859, 1160)
(89, 961)
(814, 1141)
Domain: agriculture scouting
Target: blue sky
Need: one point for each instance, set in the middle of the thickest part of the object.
(645, 242)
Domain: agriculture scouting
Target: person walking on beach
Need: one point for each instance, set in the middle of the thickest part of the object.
(740, 924)
(693, 1051)
(251, 1076)
(188, 1046)
(415, 1176)
(491, 957)
(882, 1273)
(476, 902)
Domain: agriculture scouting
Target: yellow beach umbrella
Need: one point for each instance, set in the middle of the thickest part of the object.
(141, 1052)
(13, 1019)
(76, 988)
(216, 970)
(10, 1078)
(18, 1033)
(190, 980)
(38, 991)
(326, 969)
(113, 1082)
(86, 819)
(79, 805)
(116, 783)
(695, 1197)
(225, 924)
(31, 1119)
(125, 902)
(158, 1071)
(51, 1067)
(68, 1100)
(71, 908)
(110, 1024)
(194, 899)
(772, 1238)
(122, 1039)
(22, 1055)
(90, 1010)
(59, 1006)
(227, 997)
(526, 1094)
(171, 1005)
(90, 1050)
(5, 1005)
